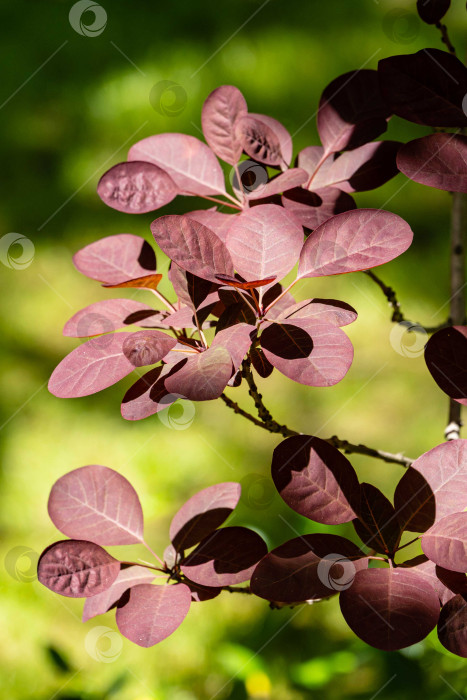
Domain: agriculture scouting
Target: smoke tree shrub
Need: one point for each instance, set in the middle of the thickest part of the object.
(231, 316)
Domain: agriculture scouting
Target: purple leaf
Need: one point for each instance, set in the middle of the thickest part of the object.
(377, 524)
(97, 504)
(203, 513)
(190, 163)
(355, 240)
(436, 160)
(281, 183)
(236, 340)
(127, 578)
(312, 159)
(452, 626)
(446, 542)
(116, 259)
(192, 246)
(77, 569)
(427, 87)
(309, 567)
(260, 363)
(190, 289)
(307, 351)
(203, 377)
(312, 209)
(153, 613)
(216, 221)
(446, 583)
(106, 316)
(224, 558)
(432, 11)
(282, 135)
(201, 593)
(337, 313)
(221, 110)
(147, 347)
(446, 358)
(351, 111)
(315, 479)
(264, 242)
(148, 395)
(259, 141)
(390, 609)
(414, 502)
(91, 367)
(146, 282)
(136, 187)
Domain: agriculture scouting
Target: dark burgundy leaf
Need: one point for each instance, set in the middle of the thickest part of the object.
(136, 187)
(279, 300)
(91, 367)
(414, 502)
(426, 87)
(224, 558)
(147, 347)
(105, 316)
(201, 593)
(377, 524)
(446, 358)
(127, 578)
(192, 246)
(307, 351)
(354, 240)
(146, 282)
(260, 363)
(203, 513)
(77, 569)
(282, 135)
(281, 183)
(351, 111)
(236, 340)
(432, 11)
(234, 282)
(203, 377)
(216, 221)
(337, 313)
(312, 209)
(259, 141)
(436, 160)
(315, 479)
(390, 608)
(190, 163)
(452, 626)
(446, 542)
(264, 242)
(116, 259)
(97, 504)
(446, 583)
(190, 289)
(309, 567)
(148, 395)
(221, 110)
(153, 613)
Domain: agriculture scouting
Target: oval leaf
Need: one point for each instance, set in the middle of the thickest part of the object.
(148, 395)
(446, 358)
(203, 377)
(282, 135)
(452, 626)
(136, 187)
(218, 222)
(147, 347)
(377, 524)
(116, 259)
(446, 583)
(436, 160)
(432, 11)
(364, 168)
(281, 183)
(312, 209)
(127, 578)
(106, 316)
(337, 313)
(446, 542)
(146, 282)
(221, 110)
(259, 141)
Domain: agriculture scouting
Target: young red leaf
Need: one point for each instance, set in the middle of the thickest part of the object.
(221, 110)
(264, 242)
(432, 11)
(234, 282)
(77, 569)
(203, 513)
(452, 626)
(148, 395)
(426, 87)
(307, 351)
(258, 140)
(190, 163)
(203, 377)
(281, 134)
(127, 578)
(309, 567)
(377, 524)
(315, 479)
(311, 209)
(354, 240)
(192, 246)
(216, 221)
(146, 282)
(281, 183)
(224, 558)
(446, 583)
(446, 358)
(136, 187)
(260, 363)
(153, 613)
(351, 111)
(437, 479)
(446, 542)
(436, 160)
(106, 316)
(147, 347)
(91, 367)
(97, 504)
(337, 313)
(390, 609)
(116, 259)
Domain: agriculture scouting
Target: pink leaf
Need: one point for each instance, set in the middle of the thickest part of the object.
(436, 160)
(236, 340)
(281, 183)
(136, 187)
(147, 347)
(221, 110)
(311, 209)
(259, 141)
(116, 259)
(216, 221)
(446, 542)
(148, 395)
(126, 579)
(106, 316)
(337, 313)
(281, 134)
(203, 377)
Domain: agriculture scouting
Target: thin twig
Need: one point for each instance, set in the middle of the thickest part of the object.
(445, 37)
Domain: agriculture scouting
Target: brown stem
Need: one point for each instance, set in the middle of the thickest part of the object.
(445, 37)
(458, 297)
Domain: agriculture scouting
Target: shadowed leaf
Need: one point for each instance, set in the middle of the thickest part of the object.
(436, 160)
(128, 577)
(115, 259)
(147, 347)
(312, 209)
(452, 626)
(446, 359)
(258, 140)
(106, 316)
(446, 583)
(202, 377)
(377, 524)
(432, 11)
(337, 313)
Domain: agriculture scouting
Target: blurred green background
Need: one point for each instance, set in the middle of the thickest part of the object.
(70, 105)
